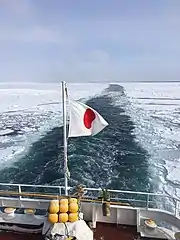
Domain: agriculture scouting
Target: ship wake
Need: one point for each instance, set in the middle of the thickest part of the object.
(113, 158)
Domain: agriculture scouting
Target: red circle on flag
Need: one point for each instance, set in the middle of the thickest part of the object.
(89, 117)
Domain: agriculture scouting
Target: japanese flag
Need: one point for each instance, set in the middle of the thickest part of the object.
(84, 120)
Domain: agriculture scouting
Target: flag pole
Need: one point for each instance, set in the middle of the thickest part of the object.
(65, 136)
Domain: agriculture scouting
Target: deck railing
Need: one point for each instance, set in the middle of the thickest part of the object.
(131, 198)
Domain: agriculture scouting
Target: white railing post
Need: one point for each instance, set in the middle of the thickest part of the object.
(60, 191)
(147, 201)
(176, 208)
(19, 189)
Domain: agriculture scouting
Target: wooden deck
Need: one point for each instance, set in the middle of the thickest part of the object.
(16, 236)
(106, 231)
(103, 231)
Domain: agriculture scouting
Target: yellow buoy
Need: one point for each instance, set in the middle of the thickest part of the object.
(54, 201)
(63, 217)
(54, 206)
(64, 201)
(53, 218)
(73, 217)
(63, 208)
(73, 200)
(73, 207)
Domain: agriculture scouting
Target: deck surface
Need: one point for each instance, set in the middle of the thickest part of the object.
(103, 231)
(106, 231)
(13, 236)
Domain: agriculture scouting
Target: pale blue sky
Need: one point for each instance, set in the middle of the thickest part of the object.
(84, 40)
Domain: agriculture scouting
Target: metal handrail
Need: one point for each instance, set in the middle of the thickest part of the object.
(133, 192)
(59, 188)
(32, 186)
(88, 189)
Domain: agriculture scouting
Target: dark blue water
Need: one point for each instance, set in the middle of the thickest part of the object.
(110, 159)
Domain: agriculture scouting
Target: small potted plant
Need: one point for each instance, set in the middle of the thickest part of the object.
(79, 192)
(105, 197)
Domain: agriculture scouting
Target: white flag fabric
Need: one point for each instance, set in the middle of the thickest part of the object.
(84, 120)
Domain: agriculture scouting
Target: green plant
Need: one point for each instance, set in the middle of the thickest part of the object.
(105, 197)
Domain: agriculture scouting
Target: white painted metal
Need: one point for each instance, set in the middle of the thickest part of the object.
(160, 200)
(65, 137)
(22, 219)
(92, 211)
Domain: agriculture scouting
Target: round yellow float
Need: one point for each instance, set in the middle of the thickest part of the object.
(63, 217)
(64, 201)
(73, 217)
(73, 200)
(53, 206)
(53, 218)
(63, 208)
(73, 207)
